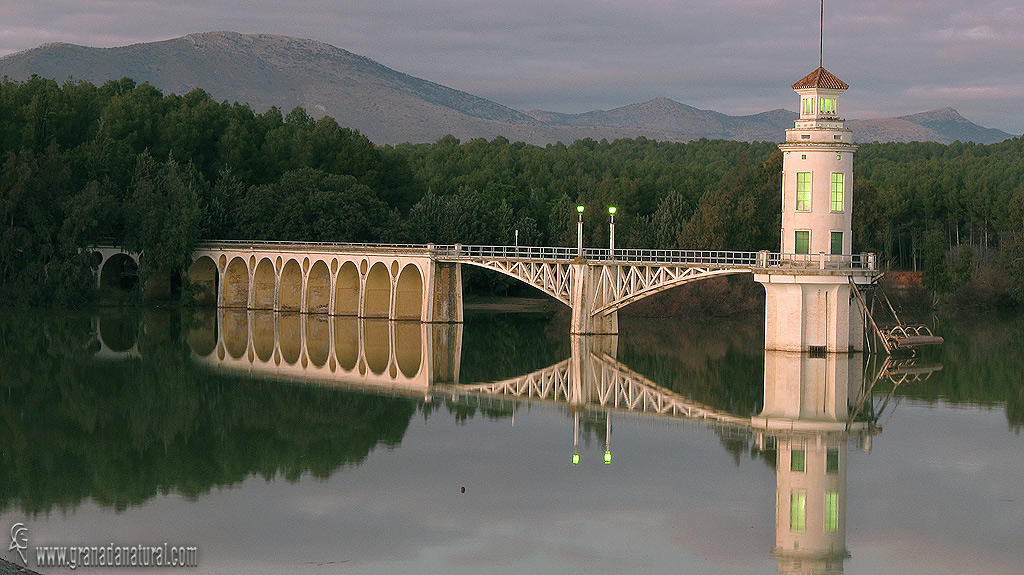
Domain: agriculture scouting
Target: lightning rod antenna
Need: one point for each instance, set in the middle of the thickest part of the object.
(821, 35)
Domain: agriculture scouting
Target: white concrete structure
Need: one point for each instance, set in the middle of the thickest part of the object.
(811, 309)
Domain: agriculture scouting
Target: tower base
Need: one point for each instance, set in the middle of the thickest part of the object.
(811, 313)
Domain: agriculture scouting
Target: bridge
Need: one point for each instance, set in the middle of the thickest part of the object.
(424, 282)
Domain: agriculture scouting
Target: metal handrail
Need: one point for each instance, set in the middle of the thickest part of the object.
(708, 258)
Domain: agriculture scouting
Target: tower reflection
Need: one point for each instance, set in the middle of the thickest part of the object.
(808, 402)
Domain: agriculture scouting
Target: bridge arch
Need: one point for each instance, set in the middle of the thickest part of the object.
(236, 283)
(377, 291)
(318, 288)
(264, 284)
(346, 290)
(120, 271)
(204, 275)
(290, 297)
(409, 293)
(622, 297)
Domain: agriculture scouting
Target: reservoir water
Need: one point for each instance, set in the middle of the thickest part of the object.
(281, 443)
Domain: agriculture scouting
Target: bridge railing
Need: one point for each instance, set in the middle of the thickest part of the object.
(686, 257)
(821, 261)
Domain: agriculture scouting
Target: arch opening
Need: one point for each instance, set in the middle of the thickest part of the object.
(291, 287)
(236, 283)
(203, 277)
(264, 282)
(318, 288)
(346, 290)
(120, 272)
(377, 298)
(409, 294)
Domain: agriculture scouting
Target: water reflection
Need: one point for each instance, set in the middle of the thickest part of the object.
(381, 354)
(185, 430)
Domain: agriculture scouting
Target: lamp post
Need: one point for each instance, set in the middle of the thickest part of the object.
(579, 231)
(517, 240)
(611, 233)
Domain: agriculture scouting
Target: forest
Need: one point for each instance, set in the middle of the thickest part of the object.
(123, 163)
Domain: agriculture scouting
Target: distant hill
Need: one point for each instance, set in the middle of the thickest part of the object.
(392, 107)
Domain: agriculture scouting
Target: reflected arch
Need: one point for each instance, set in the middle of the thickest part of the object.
(409, 347)
(264, 283)
(291, 287)
(118, 333)
(318, 339)
(236, 332)
(263, 331)
(236, 283)
(376, 345)
(346, 290)
(204, 278)
(377, 298)
(318, 288)
(346, 342)
(120, 272)
(290, 337)
(409, 293)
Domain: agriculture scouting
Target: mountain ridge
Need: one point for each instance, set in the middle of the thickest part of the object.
(391, 107)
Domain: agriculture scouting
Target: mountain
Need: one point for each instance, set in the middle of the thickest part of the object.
(391, 107)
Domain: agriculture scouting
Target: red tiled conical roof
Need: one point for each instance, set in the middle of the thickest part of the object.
(821, 78)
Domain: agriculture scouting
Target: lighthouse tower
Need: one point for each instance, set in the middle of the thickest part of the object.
(808, 307)
(817, 172)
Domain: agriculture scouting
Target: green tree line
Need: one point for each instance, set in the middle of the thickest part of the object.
(125, 164)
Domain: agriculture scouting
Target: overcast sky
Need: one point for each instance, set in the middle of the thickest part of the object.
(733, 56)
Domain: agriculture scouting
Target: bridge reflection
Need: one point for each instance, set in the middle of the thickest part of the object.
(317, 348)
(814, 408)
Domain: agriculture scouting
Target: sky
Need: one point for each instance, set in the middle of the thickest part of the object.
(733, 56)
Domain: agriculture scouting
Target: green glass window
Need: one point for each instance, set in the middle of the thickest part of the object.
(803, 242)
(837, 243)
(828, 105)
(831, 511)
(808, 104)
(797, 509)
(803, 191)
(797, 460)
(832, 461)
(838, 181)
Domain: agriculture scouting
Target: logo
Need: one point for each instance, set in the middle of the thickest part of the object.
(19, 541)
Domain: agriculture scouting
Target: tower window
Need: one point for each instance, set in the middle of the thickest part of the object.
(802, 241)
(837, 137)
(803, 156)
(797, 460)
(805, 136)
(808, 105)
(837, 243)
(838, 181)
(831, 511)
(832, 461)
(803, 191)
(828, 105)
(797, 509)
